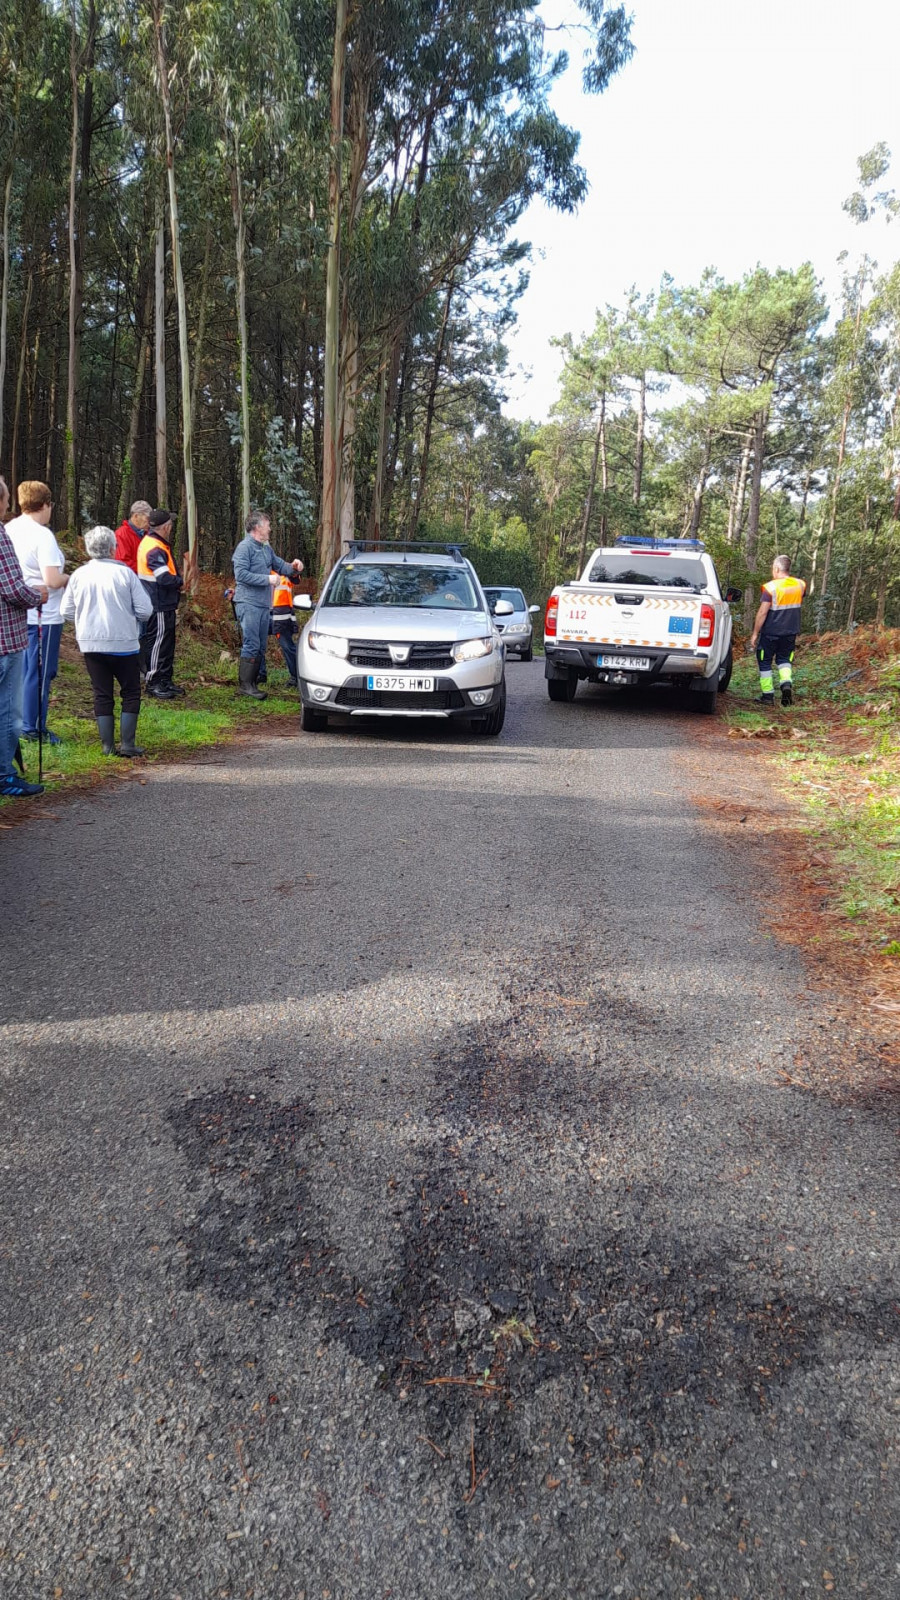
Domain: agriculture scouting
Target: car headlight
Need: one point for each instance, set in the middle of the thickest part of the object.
(518, 627)
(328, 644)
(471, 649)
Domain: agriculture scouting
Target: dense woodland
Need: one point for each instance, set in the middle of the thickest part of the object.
(267, 251)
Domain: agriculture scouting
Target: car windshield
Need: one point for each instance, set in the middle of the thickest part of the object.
(633, 567)
(514, 596)
(398, 584)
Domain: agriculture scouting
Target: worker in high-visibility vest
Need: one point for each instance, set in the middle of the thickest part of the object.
(775, 631)
(163, 582)
(284, 625)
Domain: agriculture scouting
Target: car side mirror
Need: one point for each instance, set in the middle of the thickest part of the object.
(733, 595)
(503, 609)
(533, 610)
(304, 601)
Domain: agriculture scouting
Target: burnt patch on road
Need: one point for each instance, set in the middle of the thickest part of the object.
(248, 1159)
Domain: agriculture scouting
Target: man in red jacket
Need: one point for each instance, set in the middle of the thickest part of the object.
(132, 531)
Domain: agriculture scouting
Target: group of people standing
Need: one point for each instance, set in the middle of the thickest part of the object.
(123, 603)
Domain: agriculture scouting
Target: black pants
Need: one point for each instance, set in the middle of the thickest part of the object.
(159, 649)
(103, 670)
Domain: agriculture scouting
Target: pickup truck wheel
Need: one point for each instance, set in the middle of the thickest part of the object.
(562, 688)
(725, 670)
(313, 721)
(705, 702)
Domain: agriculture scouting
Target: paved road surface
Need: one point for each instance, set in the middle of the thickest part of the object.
(401, 1197)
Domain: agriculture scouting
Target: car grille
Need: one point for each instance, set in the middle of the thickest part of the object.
(430, 657)
(399, 699)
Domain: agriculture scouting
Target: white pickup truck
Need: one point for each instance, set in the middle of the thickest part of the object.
(643, 611)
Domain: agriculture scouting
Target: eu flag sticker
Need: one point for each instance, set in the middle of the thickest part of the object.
(681, 624)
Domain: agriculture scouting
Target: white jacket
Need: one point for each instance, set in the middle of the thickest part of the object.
(107, 601)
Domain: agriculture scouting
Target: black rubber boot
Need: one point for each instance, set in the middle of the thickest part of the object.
(247, 678)
(765, 699)
(106, 727)
(787, 695)
(127, 746)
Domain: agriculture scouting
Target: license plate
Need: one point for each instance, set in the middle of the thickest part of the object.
(630, 663)
(393, 680)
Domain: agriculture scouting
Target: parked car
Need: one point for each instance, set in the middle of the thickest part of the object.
(402, 630)
(517, 629)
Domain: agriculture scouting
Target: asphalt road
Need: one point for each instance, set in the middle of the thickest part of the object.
(402, 1195)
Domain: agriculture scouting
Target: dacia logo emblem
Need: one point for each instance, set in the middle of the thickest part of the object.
(399, 653)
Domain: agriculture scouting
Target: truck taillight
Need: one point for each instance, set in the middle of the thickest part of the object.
(550, 617)
(707, 625)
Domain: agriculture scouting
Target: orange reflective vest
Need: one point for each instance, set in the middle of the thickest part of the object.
(148, 543)
(785, 597)
(282, 597)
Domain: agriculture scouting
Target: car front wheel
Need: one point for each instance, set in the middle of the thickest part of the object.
(313, 721)
(492, 724)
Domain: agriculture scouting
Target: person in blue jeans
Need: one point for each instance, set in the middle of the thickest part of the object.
(43, 564)
(16, 598)
(256, 571)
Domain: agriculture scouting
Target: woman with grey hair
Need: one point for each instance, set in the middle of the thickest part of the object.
(108, 603)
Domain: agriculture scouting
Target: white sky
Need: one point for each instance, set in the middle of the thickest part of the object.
(731, 138)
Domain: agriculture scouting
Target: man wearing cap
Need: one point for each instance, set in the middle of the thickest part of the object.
(256, 570)
(163, 582)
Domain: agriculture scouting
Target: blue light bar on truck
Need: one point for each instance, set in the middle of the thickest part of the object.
(640, 543)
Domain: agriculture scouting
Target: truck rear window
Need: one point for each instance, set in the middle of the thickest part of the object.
(634, 568)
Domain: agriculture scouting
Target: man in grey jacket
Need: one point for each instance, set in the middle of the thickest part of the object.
(255, 571)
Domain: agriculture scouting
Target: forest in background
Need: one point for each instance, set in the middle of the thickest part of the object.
(267, 253)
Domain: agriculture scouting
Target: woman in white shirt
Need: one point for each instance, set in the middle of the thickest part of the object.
(42, 563)
(108, 603)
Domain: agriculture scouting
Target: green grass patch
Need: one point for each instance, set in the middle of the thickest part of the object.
(838, 752)
(210, 713)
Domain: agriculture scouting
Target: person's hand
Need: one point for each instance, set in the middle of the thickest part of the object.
(44, 593)
(273, 579)
(297, 566)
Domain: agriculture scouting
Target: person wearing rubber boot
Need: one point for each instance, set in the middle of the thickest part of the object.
(256, 572)
(108, 604)
(16, 599)
(284, 626)
(775, 631)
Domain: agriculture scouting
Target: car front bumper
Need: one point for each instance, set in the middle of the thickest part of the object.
(337, 688)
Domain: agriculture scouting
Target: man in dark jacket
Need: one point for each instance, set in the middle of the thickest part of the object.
(163, 582)
(16, 599)
(256, 571)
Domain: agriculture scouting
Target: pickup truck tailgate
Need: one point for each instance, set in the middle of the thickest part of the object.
(665, 619)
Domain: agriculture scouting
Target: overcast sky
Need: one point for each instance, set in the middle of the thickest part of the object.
(730, 138)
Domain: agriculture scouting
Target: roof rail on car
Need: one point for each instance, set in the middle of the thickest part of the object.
(359, 547)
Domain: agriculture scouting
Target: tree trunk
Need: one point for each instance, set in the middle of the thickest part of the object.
(429, 407)
(592, 481)
(331, 465)
(74, 284)
(136, 399)
(639, 448)
(348, 400)
(751, 543)
(20, 380)
(881, 601)
(700, 489)
(159, 361)
(240, 245)
(854, 591)
(738, 493)
(832, 516)
(386, 400)
(184, 358)
(201, 330)
(4, 295)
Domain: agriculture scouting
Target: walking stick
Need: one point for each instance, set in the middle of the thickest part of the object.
(40, 694)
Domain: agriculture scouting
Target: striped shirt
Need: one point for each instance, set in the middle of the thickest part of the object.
(16, 598)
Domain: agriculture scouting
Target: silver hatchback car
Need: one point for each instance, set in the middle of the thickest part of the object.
(402, 631)
(516, 625)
